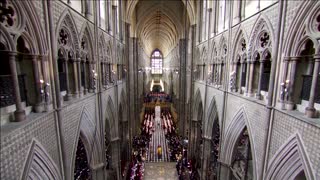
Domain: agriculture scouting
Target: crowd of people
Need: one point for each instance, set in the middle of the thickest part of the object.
(157, 97)
(177, 144)
(167, 122)
(147, 126)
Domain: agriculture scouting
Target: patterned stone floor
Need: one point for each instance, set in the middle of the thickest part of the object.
(160, 171)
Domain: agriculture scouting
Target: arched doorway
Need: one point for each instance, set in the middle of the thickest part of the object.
(124, 140)
(81, 169)
(213, 169)
(241, 165)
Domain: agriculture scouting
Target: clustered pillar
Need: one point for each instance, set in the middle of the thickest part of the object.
(20, 113)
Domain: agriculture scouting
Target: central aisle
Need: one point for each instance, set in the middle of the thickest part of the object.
(158, 139)
(160, 171)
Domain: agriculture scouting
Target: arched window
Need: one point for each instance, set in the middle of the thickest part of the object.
(156, 62)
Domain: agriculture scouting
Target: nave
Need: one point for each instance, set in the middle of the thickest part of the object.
(159, 147)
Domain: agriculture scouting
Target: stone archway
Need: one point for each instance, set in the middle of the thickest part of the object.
(39, 164)
(211, 143)
(290, 162)
(238, 157)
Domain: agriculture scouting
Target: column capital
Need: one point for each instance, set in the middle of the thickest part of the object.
(295, 58)
(286, 58)
(316, 57)
(11, 53)
(263, 60)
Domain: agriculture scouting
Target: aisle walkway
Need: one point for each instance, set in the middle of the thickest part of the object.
(158, 138)
(160, 171)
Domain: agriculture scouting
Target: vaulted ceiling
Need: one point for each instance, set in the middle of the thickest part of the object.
(159, 24)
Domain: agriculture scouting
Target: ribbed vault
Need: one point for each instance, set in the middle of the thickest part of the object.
(159, 24)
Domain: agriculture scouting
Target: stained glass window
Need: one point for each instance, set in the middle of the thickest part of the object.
(156, 62)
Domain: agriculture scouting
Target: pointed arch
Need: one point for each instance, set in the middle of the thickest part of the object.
(39, 165)
(6, 39)
(88, 132)
(240, 34)
(197, 103)
(87, 37)
(238, 123)
(66, 20)
(28, 41)
(298, 27)
(212, 116)
(261, 24)
(102, 47)
(290, 160)
(204, 55)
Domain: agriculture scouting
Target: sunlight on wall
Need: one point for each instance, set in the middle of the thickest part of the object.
(251, 8)
(76, 4)
(102, 14)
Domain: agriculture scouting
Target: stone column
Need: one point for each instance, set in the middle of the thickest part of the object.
(106, 73)
(85, 88)
(75, 75)
(90, 78)
(250, 79)
(68, 96)
(258, 94)
(98, 171)
(310, 110)
(102, 74)
(205, 156)
(240, 79)
(38, 107)
(290, 103)
(80, 89)
(248, 68)
(116, 156)
(20, 113)
(192, 137)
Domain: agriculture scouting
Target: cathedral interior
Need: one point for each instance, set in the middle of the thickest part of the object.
(160, 89)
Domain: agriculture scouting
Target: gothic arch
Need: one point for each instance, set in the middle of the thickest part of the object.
(27, 25)
(212, 116)
(39, 164)
(111, 117)
(213, 52)
(197, 103)
(261, 24)
(89, 134)
(34, 28)
(6, 39)
(87, 37)
(204, 55)
(190, 5)
(28, 42)
(240, 34)
(297, 31)
(66, 21)
(290, 160)
(102, 47)
(238, 123)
